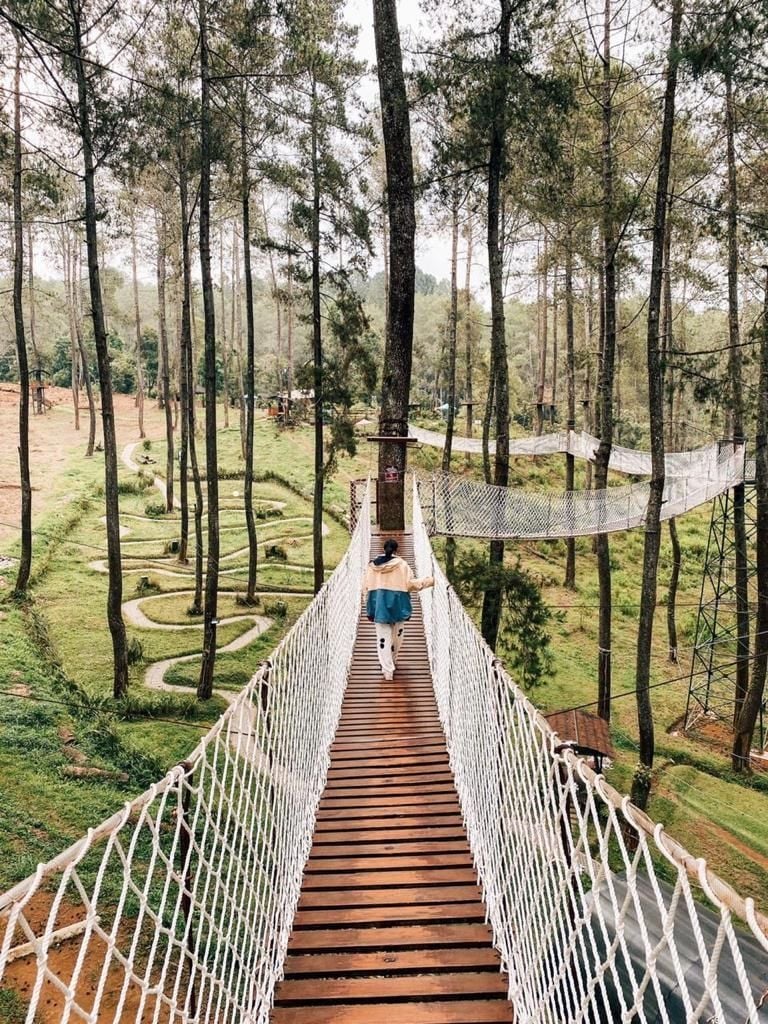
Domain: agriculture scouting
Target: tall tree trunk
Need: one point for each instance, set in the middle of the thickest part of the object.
(453, 317)
(317, 357)
(487, 418)
(605, 385)
(237, 332)
(77, 308)
(289, 328)
(543, 335)
(189, 364)
(25, 559)
(114, 559)
(674, 578)
(468, 329)
(398, 350)
(32, 308)
(250, 373)
(652, 537)
(737, 409)
(555, 342)
(491, 611)
(589, 418)
(184, 370)
(224, 350)
(74, 355)
(753, 699)
(570, 364)
(385, 247)
(137, 323)
(161, 229)
(277, 301)
(205, 684)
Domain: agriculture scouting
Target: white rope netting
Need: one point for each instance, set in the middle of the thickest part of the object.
(179, 908)
(698, 463)
(466, 508)
(599, 915)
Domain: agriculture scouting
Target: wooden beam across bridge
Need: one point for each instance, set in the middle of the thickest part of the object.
(390, 925)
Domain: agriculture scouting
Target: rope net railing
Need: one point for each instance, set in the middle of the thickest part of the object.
(598, 914)
(179, 907)
(698, 463)
(467, 508)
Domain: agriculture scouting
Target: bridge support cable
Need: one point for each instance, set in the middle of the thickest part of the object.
(599, 915)
(179, 907)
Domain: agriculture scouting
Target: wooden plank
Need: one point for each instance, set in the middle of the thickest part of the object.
(336, 965)
(381, 879)
(471, 1011)
(383, 819)
(420, 765)
(455, 844)
(420, 986)
(331, 832)
(464, 891)
(381, 733)
(434, 784)
(349, 750)
(399, 914)
(408, 936)
(388, 862)
(384, 800)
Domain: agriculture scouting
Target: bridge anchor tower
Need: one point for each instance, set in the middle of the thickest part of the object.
(712, 682)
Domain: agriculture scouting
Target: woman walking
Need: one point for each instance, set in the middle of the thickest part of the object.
(389, 581)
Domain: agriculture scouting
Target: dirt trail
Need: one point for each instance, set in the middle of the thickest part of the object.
(53, 441)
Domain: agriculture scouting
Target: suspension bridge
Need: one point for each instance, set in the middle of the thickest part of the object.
(465, 508)
(343, 849)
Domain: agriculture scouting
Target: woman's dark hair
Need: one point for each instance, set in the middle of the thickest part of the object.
(390, 547)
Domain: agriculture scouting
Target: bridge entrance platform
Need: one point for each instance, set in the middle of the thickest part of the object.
(390, 925)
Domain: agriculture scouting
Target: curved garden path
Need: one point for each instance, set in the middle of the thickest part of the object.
(133, 610)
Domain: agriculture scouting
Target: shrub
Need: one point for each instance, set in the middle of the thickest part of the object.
(135, 651)
(154, 509)
(276, 553)
(277, 609)
(135, 485)
(146, 444)
(147, 586)
(268, 512)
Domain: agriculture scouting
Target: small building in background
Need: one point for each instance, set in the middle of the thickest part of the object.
(588, 734)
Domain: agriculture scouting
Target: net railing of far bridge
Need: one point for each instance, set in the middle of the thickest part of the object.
(462, 507)
(698, 462)
(599, 915)
(179, 907)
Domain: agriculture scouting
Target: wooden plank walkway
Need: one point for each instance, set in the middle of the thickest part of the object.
(390, 925)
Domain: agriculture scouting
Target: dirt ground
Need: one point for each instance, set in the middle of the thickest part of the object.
(53, 441)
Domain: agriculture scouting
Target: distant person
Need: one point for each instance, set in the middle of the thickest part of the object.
(389, 581)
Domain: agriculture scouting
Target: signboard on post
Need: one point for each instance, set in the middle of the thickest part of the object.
(391, 475)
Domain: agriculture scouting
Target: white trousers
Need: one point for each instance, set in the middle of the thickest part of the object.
(389, 636)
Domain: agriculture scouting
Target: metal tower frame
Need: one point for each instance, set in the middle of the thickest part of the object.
(712, 682)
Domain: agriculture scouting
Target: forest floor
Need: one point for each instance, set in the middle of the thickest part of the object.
(57, 647)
